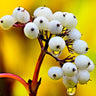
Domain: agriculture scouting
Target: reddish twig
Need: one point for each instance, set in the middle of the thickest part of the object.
(35, 83)
(22, 81)
(40, 42)
(18, 25)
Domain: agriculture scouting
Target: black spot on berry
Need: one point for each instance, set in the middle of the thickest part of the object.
(73, 69)
(86, 49)
(88, 63)
(54, 75)
(58, 46)
(58, 25)
(1, 21)
(74, 17)
(18, 9)
(64, 15)
(32, 29)
(41, 21)
(42, 8)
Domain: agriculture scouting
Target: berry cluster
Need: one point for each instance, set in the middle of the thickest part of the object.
(61, 26)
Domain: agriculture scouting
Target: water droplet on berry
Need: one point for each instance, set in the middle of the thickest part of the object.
(56, 53)
(71, 91)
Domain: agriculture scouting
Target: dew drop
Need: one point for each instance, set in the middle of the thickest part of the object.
(71, 91)
(56, 53)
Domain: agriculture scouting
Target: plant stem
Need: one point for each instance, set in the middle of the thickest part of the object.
(35, 84)
(22, 81)
(36, 72)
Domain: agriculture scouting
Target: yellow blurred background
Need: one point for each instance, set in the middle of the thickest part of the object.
(19, 54)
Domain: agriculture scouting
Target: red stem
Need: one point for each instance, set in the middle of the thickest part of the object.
(18, 25)
(36, 72)
(22, 81)
(35, 83)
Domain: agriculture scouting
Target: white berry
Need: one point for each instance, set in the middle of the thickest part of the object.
(37, 10)
(55, 73)
(16, 11)
(80, 47)
(41, 22)
(91, 66)
(82, 61)
(83, 76)
(21, 15)
(31, 30)
(56, 43)
(70, 82)
(43, 11)
(55, 27)
(70, 20)
(60, 17)
(69, 69)
(74, 34)
(7, 22)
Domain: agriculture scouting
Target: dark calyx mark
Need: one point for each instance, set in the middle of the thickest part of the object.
(1, 21)
(41, 21)
(88, 63)
(74, 17)
(54, 75)
(58, 46)
(86, 49)
(32, 29)
(42, 8)
(64, 15)
(73, 69)
(58, 25)
(18, 8)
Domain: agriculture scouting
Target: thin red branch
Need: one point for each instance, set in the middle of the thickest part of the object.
(35, 83)
(18, 25)
(41, 44)
(22, 81)
(36, 72)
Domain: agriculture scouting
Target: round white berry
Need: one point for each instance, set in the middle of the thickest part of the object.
(37, 10)
(21, 15)
(60, 16)
(83, 76)
(74, 34)
(70, 20)
(91, 66)
(7, 22)
(31, 30)
(54, 27)
(80, 46)
(55, 73)
(82, 61)
(41, 22)
(69, 69)
(56, 43)
(43, 11)
(70, 82)
(16, 11)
